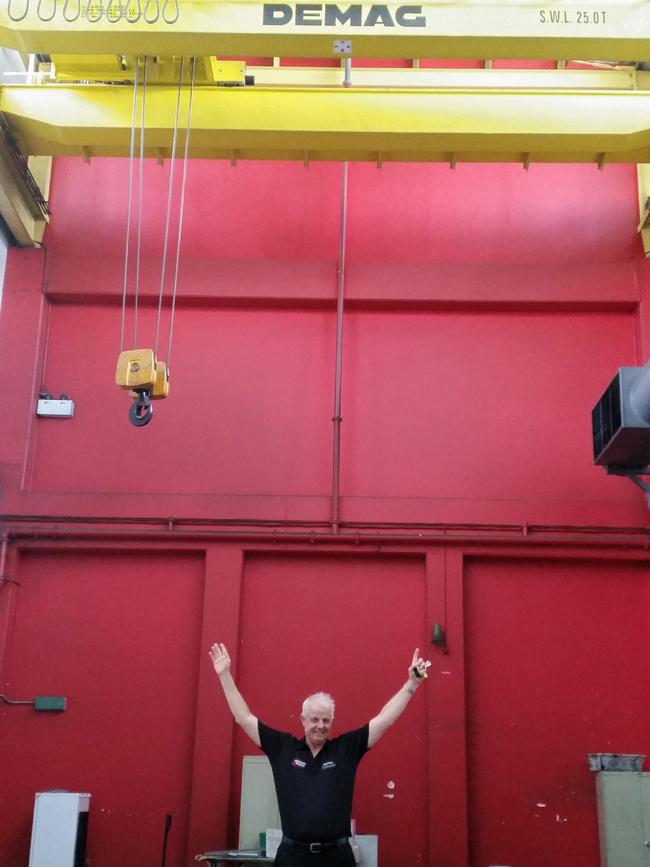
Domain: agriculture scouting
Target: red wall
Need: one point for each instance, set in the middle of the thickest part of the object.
(486, 310)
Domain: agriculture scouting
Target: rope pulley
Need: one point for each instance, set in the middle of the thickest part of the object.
(138, 370)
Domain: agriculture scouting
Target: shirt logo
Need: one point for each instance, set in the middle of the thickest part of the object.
(298, 764)
(327, 765)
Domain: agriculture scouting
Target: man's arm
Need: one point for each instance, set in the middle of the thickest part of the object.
(236, 703)
(380, 724)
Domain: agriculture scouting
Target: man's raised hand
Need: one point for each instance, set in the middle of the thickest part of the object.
(220, 658)
(418, 667)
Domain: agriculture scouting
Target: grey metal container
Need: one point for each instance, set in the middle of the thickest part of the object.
(615, 761)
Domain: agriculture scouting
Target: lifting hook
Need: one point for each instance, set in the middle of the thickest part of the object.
(141, 410)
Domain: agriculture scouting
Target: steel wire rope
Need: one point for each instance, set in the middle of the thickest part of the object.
(132, 19)
(72, 18)
(140, 189)
(44, 18)
(170, 189)
(181, 210)
(129, 204)
(149, 19)
(114, 17)
(170, 20)
(19, 17)
(100, 11)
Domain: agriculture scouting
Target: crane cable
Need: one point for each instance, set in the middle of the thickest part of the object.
(181, 209)
(180, 206)
(140, 193)
(139, 369)
(130, 204)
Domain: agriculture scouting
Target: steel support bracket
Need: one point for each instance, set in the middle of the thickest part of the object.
(634, 475)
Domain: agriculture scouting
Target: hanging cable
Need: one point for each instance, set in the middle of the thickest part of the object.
(98, 12)
(74, 17)
(17, 17)
(136, 369)
(139, 370)
(43, 17)
(114, 10)
(181, 209)
(170, 19)
(170, 190)
(151, 19)
(140, 191)
(129, 204)
(132, 18)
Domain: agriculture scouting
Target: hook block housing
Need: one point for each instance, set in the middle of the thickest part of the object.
(136, 368)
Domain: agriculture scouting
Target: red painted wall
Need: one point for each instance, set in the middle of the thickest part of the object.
(487, 309)
(117, 636)
(371, 610)
(537, 700)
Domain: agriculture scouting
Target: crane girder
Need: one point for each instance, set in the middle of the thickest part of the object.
(83, 104)
(397, 124)
(472, 29)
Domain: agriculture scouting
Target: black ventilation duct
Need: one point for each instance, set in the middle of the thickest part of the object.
(621, 420)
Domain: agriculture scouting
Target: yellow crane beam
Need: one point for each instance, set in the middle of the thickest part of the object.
(471, 29)
(20, 210)
(453, 125)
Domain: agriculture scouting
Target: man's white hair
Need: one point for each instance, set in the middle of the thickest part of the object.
(322, 698)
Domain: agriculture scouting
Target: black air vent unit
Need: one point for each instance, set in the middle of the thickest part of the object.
(621, 420)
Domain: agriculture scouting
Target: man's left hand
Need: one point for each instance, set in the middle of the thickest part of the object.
(418, 667)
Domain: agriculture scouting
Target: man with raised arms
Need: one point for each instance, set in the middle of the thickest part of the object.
(314, 775)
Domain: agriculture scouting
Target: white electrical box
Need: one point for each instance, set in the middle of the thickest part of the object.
(51, 408)
(59, 829)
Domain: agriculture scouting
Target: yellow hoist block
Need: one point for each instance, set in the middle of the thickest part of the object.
(161, 385)
(136, 368)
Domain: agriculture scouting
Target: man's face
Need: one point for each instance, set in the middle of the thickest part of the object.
(318, 724)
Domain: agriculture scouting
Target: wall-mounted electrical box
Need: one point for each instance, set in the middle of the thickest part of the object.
(50, 702)
(50, 407)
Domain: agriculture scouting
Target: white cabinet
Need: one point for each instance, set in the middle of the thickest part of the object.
(59, 829)
(259, 804)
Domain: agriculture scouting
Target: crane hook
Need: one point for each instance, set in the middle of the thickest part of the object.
(141, 410)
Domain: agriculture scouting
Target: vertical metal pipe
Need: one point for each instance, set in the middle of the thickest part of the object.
(336, 419)
(8, 598)
(347, 73)
(4, 542)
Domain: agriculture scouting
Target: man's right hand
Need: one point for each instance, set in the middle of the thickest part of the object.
(238, 707)
(220, 658)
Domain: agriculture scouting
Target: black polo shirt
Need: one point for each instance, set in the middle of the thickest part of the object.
(314, 793)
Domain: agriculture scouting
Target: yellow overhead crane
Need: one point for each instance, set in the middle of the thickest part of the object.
(76, 103)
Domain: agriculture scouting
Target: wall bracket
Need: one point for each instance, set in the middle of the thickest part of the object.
(634, 475)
